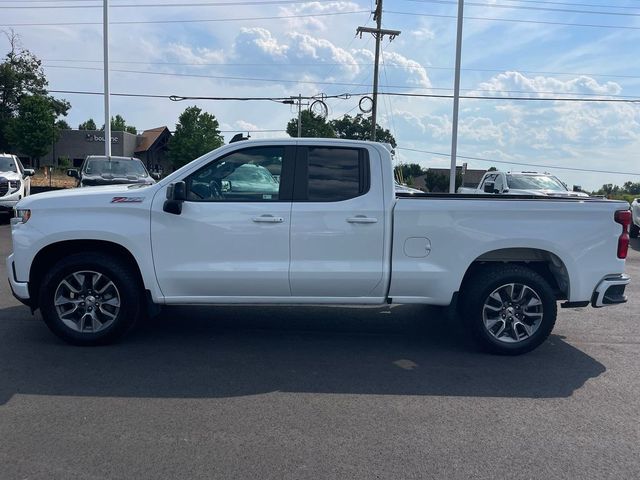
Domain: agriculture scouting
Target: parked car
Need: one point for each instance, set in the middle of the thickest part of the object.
(400, 188)
(522, 183)
(15, 182)
(334, 232)
(100, 170)
(635, 211)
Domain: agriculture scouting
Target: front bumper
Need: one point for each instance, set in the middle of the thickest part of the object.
(610, 291)
(20, 290)
(8, 205)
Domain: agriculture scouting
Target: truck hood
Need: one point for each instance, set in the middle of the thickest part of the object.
(87, 196)
(10, 176)
(110, 179)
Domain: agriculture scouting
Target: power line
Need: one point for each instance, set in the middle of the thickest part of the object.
(145, 22)
(513, 20)
(359, 94)
(324, 64)
(480, 159)
(348, 84)
(526, 7)
(533, 99)
(143, 5)
(570, 4)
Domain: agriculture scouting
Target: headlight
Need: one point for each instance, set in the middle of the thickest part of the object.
(14, 185)
(22, 215)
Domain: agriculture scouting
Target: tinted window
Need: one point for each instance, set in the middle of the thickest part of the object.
(498, 183)
(334, 174)
(7, 164)
(535, 182)
(251, 175)
(114, 167)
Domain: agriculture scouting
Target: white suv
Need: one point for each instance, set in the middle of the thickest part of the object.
(15, 182)
(635, 224)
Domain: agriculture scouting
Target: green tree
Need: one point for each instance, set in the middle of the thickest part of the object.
(359, 128)
(631, 188)
(196, 133)
(88, 125)
(20, 75)
(410, 170)
(313, 126)
(33, 130)
(119, 124)
(437, 182)
(407, 172)
(62, 125)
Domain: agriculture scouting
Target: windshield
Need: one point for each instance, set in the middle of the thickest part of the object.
(7, 164)
(102, 166)
(535, 182)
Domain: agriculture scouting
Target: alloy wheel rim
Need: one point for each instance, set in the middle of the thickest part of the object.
(87, 301)
(512, 313)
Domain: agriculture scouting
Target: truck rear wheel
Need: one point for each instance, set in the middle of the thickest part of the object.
(90, 298)
(510, 309)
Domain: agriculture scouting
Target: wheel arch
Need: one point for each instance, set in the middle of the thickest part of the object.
(544, 262)
(54, 251)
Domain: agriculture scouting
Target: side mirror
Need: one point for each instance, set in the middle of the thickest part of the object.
(176, 195)
(489, 187)
(155, 175)
(225, 185)
(29, 172)
(72, 172)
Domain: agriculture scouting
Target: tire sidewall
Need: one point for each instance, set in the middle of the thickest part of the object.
(122, 277)
(476, 304)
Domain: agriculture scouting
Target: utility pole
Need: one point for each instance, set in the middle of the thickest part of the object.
(378, 33)
(456, 101)
(107, 113)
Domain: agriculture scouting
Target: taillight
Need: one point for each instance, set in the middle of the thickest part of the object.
(623, 217)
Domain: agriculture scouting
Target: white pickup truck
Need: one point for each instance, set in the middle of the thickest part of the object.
(522, 183)
(311, 221)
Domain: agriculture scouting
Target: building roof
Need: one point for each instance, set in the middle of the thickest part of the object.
(149, 138)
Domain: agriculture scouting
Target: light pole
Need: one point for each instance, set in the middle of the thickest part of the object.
(107, 113)
(456, 101)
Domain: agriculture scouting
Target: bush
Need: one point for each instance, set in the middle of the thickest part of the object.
(64, 163)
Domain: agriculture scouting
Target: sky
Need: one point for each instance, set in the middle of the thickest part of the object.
(536, 49)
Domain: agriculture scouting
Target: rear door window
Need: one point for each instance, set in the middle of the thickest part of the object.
(331, 174)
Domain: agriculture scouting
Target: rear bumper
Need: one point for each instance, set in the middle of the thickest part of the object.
(20, 290)
(610, 291)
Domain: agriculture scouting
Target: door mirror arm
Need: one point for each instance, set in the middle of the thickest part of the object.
(176, 195)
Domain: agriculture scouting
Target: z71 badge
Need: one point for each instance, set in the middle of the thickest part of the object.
(127, 199)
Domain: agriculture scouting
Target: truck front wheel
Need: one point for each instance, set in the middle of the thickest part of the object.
(90, 298)
(510, 309)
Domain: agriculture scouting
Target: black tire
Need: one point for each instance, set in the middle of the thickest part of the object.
(476, 293)
(122, 276)
(634, 231)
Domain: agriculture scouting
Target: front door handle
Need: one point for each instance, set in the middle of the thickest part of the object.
(362, 219)
(267, 219)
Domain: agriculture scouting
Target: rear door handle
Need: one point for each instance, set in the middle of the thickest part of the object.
(362, 219)
(267, 219)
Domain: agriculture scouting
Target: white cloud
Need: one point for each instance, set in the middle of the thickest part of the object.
(542, 86)
(259, 42)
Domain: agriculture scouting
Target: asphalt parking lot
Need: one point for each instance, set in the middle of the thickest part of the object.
(316, 393)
